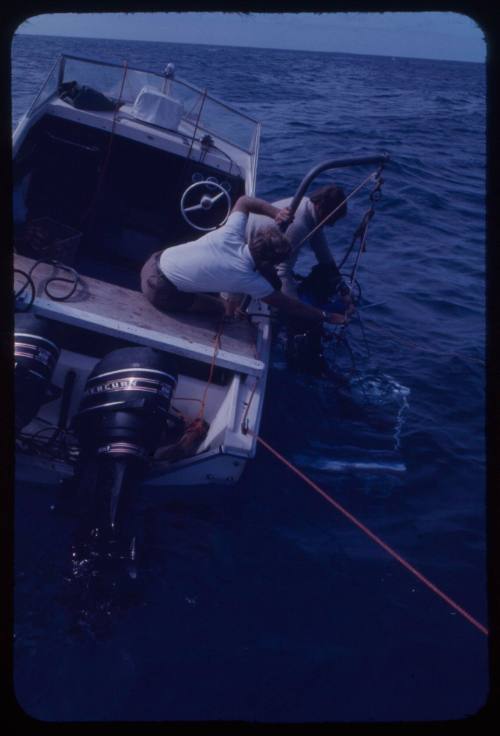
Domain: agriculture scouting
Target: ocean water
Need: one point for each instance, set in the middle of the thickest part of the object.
(261, 602)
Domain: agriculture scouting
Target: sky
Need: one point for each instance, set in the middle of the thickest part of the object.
(427, 35)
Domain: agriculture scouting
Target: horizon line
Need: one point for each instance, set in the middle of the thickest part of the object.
(230, 46)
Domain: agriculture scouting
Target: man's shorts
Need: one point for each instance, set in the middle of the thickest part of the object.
(160, 291)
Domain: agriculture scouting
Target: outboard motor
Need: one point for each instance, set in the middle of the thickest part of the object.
(36, 354)
(119, 423)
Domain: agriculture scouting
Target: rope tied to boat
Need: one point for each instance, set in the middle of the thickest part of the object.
(375, 538)
(196, 430)
(361, 233)
(217, 344)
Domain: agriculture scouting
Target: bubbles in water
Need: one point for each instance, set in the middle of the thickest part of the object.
(103, 585)
(380, 392)
(371, 463)
(377, 389)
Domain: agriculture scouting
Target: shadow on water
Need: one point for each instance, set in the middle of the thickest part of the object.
(102, 579)
(355, 413)
(101, 587)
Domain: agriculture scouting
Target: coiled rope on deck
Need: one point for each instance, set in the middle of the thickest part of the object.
(74, 282)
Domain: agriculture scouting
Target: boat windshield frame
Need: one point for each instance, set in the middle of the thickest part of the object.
(197, 118)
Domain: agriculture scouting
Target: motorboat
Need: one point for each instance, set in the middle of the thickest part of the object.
(111, 164)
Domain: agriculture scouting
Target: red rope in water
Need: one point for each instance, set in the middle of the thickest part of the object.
(375, 538)
(335, 504)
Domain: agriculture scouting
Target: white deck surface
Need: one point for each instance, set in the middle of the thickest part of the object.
(126, 314)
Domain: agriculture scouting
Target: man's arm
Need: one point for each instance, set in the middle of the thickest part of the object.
(286, 275)
(295, 308)
(253, 205)
(325, 258)
(319, 246)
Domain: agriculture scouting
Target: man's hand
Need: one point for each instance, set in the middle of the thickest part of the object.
(231, 305)
(284, 215)
(254, 205)
(344, 304)
(295, 309)
(350, 306)
(334, 318)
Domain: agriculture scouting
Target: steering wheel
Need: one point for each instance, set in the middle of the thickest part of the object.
(198, 198)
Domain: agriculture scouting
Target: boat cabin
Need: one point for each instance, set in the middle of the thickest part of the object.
(111, 164)
(105, 155)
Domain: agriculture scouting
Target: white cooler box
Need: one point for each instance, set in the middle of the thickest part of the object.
(152, 106)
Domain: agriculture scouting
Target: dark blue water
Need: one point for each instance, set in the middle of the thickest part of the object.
(261, 602)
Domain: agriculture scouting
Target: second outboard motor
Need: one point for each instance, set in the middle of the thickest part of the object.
(36, 354)
(119, 424)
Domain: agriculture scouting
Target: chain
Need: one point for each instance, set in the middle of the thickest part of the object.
(362, 229)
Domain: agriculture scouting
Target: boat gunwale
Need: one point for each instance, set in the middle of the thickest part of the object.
(129, 128)
(161, 76)
(59, 65)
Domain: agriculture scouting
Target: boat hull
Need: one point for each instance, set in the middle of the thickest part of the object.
(100, 172)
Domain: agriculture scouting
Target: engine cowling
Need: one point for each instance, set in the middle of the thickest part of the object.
(36, 354)
(119, 423)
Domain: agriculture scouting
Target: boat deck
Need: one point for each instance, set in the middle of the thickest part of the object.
(126, 314)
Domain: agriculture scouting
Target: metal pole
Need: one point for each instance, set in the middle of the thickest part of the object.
(325, 166)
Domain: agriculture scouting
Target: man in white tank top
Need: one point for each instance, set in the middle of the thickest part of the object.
(190, 277)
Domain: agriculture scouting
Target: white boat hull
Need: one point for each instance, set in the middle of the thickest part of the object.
(112, 311)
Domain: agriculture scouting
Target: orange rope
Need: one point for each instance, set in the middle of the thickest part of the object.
(375, 538)
(244, 428)
(217, 345)
(200, 417)
(334, 503)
